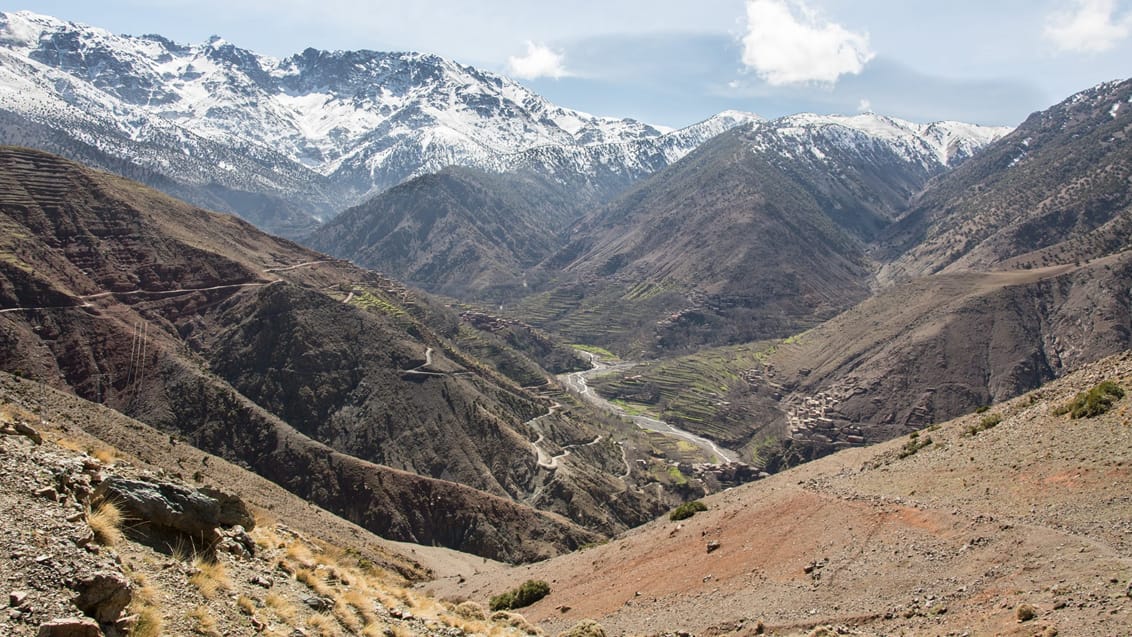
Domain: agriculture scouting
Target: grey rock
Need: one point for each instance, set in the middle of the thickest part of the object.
(175, 506)
(25, 429)
(16, 598)
(318, 604)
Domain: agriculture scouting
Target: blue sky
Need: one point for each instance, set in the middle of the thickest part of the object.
(675, 62)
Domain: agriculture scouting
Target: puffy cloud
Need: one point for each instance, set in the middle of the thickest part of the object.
(540, 61)
(1089, 26)
(789, 43)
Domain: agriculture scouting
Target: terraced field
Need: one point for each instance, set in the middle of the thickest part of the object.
(615, 317)
(705, 393)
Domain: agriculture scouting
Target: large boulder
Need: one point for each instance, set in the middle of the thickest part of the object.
(176, 506)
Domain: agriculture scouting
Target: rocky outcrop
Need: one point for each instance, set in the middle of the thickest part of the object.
(103, 595)
(177, 507)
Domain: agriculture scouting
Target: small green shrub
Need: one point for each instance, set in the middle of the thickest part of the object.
(914, 444)
(1092, 403)
(687, 510)
(990, 421)
(528, 593)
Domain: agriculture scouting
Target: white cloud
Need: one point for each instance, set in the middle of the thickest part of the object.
(1089, 26)
(540, 61)
(789, 43)
(864, 106)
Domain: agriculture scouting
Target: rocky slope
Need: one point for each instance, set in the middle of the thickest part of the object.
(330, 380)
(1011, 522)
(1054, 191)
(310, 133)
(119, 534)
(909, 356)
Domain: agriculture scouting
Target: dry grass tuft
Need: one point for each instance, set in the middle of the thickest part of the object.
(324, 625)
(210, 577)
(298, 553)
(266, 537)
(149, 623)
(362, 603)
(347, 616)
(206, 624)
(311, 578)
(285, 611)
(105, 455)
(105, 520)
(145, 605)
(246, 605)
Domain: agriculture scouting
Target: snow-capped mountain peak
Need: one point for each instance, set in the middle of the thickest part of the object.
(935, 145)
(320, 129)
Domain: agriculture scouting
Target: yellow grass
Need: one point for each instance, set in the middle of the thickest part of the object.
(205, 622)
(348, 617)
(246, 605)
(210, 577)
(145, 606)
(363, 603)
(284, 610)
(324, 625)
(105, 455)
(105, 520)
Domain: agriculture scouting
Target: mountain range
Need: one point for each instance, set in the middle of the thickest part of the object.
(998, 277)
(782, 292)
(288, 142)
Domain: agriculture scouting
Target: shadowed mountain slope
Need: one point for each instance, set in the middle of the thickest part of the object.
(331, 380)
(461, 232)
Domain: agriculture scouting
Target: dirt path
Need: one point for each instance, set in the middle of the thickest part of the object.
(547, 461)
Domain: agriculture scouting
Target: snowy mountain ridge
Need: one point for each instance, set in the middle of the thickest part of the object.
(321, 130)
(933, 146)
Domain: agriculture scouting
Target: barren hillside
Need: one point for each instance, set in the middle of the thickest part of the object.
(948, 531)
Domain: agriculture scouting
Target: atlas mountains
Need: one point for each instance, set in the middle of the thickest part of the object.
(932, 270)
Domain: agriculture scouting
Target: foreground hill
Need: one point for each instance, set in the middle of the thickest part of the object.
(951, 529)
(330, 380)
(288, 567)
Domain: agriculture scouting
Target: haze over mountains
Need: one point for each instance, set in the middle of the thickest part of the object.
(783, 289)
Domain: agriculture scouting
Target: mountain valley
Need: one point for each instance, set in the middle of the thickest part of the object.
(809, 375)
